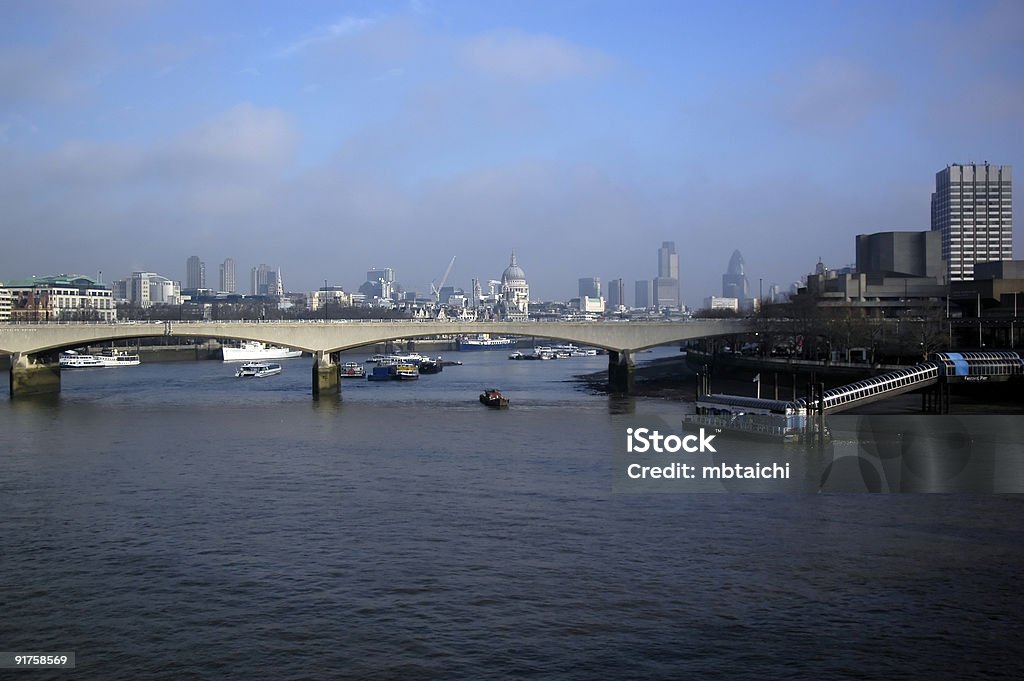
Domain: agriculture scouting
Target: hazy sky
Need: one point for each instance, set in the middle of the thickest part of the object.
(330, 137)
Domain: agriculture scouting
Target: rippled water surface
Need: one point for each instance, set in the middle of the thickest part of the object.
(171, 521)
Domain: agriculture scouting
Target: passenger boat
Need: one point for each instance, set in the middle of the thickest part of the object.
(74, 360)
(254, 351)
(352, 370)
(407, 372)
(493, 398)
(483, 342)
(257, 370)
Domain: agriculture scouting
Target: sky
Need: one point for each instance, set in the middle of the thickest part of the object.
(328, 138)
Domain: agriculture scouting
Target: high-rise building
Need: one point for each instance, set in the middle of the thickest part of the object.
(734, 281)
(195, 273)
(590, 287)
(616, 293)
(380, 283)
(666, 285)
(264, 280)
(972, 207)
(642, 293)
(227, 276)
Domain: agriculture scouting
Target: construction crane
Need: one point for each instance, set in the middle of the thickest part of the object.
(435, 291)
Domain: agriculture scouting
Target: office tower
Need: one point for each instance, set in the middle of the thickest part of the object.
(263, 279)
(195, 273)
(380, 283)
(734, 281)
(642, 293)
(590, 287)
(227, 276)
(666, 285)
(616, 293)
(972, 208)
(901, 254)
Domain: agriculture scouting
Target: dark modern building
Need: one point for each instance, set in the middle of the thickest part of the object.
(642, 293)
(972, 208)
(590, 287)
(734, 281)
(901, 254)
(616, 293)
(195, 273)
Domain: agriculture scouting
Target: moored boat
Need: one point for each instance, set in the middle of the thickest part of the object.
(352, 370)
(257, 370)
(74, 360)
(406, 372)
(431, 366)
(254, 351)
(492, 397)
(483, 342)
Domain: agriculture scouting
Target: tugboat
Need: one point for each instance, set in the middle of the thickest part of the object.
(430, 366)
(492, 397)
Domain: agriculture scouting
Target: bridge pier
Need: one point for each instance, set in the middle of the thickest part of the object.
(621, 371)
(34, 374)
(326, 376)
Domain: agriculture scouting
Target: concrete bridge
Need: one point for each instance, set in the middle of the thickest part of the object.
(35, 348)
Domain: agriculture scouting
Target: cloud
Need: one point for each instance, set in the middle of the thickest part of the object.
(328, 33)
(832, 94)
(525, 58)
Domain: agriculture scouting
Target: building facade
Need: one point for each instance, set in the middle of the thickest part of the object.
(972, 208)
(896, 254)
(195, 273)
(263, 279)
(616, 294)
(642, 294)
(666, 285)
(5, 305)
(590, 287)
(64, 297)
(227, 276)
(146, 289)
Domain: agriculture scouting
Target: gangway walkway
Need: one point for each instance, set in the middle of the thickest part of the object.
(947, 367)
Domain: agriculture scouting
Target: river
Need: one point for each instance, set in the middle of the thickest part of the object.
(172, 521)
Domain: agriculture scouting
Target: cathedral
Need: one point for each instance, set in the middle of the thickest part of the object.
(515, 294)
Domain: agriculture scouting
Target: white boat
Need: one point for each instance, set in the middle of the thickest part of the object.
(352, 370)
(74, 360)
(257, 370)
(249, 351)
(409, 358)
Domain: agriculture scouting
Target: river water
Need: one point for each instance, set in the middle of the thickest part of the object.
(171, 521)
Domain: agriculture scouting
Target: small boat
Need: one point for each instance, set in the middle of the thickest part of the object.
(258, 370)
(407, 372)
(493, 398)
(352, 370)
(430, 366)
(517, 355)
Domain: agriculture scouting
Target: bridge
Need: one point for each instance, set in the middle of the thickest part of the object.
(35, 348)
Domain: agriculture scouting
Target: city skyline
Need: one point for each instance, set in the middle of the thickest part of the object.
(575, 136)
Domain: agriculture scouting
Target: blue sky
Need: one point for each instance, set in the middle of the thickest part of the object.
(329, 137)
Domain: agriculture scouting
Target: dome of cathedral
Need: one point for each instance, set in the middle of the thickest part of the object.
(513, 272)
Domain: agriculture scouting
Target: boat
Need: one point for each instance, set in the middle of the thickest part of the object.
(406, 372)
(257, 370)
(493, 398)
(250, 351)
(112, 358)
(517, 355)
(408, 358)
(431, 366)
(352, 370)
(382, 373)
(483, 342)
